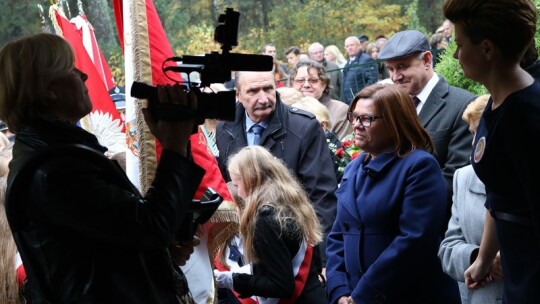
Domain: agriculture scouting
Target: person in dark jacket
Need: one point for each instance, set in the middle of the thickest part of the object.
(291, 134)
(439, 105)
(491, 38)
(279, 229)
(391, 207)
(360, 71)
(84, 232)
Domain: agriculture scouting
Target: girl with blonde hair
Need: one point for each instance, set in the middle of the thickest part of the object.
(279, 229)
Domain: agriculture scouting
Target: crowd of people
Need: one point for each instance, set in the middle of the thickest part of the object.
(440, 206)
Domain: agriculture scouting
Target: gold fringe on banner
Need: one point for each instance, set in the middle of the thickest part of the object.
(142, 72)
(225, 224)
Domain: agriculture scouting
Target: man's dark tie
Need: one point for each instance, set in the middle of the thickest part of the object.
(416, 101)
(257, 130)
(235, 255)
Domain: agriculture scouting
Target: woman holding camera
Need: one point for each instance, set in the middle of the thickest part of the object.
(84, 232)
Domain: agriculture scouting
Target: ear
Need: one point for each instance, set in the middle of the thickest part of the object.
(428, 58)
(488, 49)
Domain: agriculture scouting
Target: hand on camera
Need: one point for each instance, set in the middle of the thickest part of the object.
(173, 135)
(181, 251)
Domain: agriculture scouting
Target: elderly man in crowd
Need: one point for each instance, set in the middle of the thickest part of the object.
(360, 71)
(293, 135)
(316, 52)
(439, 105)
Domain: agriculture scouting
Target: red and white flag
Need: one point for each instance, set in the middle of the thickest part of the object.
(97, 88)
(92, 48)
(146, 47)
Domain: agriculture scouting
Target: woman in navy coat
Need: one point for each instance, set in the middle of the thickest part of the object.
(391, 208)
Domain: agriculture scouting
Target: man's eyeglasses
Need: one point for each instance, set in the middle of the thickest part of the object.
(364, 120)
(309, 80)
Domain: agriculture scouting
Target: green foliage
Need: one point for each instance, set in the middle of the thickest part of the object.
(190, 24)
(200, 40)
(537, 36)
(415, 23)
(330, 22)
(429, 14)
(18, 18)
(116, 65)
(450, 69)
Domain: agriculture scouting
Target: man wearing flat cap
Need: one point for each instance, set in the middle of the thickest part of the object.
(439, 105)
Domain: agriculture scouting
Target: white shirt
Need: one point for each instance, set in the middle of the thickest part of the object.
(424, 94)
(249, 133)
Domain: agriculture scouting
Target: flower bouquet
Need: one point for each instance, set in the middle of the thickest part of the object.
(343, 155)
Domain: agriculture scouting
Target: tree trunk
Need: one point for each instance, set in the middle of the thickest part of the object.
(264, 7)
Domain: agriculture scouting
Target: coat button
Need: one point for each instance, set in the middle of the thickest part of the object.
(346, 226)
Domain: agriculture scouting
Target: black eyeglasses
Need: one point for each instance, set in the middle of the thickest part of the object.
(364, 120)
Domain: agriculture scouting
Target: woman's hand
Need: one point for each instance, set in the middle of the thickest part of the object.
(345, 300)
(478, 274)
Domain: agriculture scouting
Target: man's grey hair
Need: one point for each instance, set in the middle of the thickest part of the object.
(314, 45)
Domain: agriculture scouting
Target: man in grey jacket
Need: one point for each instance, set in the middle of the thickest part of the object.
(439, 105)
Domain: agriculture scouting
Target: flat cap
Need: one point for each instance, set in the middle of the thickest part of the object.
(363, 38)
(403, 44)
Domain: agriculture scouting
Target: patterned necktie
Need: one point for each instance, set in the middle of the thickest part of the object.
(257, 130)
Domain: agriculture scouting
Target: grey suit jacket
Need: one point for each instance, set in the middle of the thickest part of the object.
(441, 116)
(464, 235)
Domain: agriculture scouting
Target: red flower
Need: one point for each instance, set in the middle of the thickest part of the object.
(346, 144)
(343, 155)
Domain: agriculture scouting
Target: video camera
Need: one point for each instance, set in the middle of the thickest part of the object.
(199, 212)
(213, 68)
